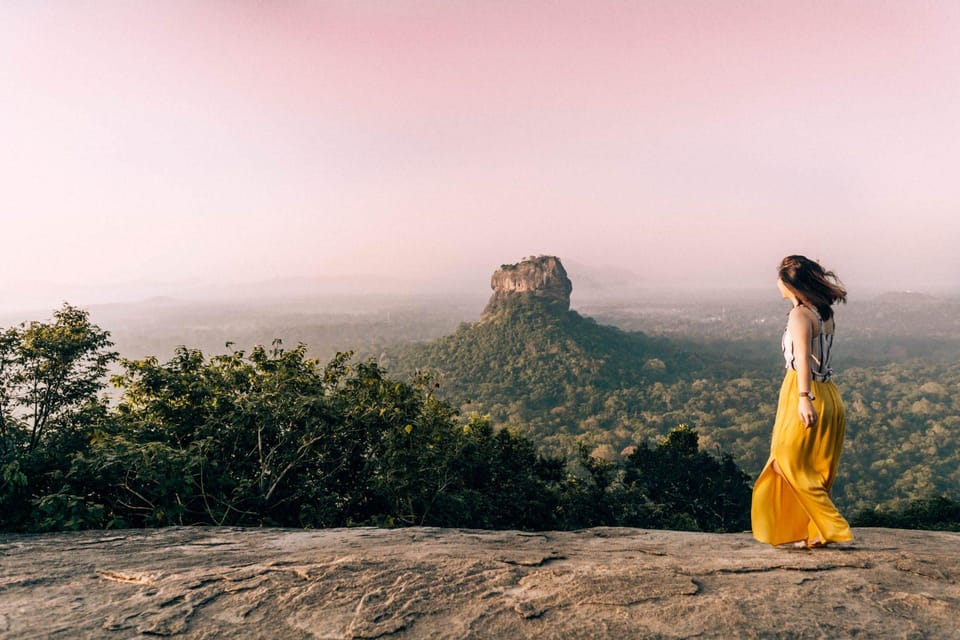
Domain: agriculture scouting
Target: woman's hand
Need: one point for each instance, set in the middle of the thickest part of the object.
(808, 415)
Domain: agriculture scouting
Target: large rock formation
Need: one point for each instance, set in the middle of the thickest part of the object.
(445, 583)
(542, 279)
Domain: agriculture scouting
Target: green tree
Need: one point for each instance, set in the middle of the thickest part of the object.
(50, 375)
(683, 487)
(48, 372)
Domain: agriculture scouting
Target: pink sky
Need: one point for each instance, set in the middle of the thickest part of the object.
(694, 143)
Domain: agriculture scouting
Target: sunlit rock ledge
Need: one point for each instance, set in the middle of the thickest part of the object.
(201, 582)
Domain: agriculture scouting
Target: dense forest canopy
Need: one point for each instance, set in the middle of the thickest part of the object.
(531, 419)
(272, 437)
(563, 379)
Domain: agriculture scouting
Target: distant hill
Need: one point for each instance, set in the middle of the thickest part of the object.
(563, 379)
(544, 355)
(533, 363)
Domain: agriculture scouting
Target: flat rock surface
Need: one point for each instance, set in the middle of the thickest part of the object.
(200, 582)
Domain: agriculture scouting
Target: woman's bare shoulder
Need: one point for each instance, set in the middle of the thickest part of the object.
(800, 312)
(802, 321)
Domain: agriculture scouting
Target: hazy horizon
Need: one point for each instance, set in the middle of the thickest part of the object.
(156, 148)
(369, 292)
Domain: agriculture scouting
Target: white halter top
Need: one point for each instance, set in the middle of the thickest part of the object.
(820, 347)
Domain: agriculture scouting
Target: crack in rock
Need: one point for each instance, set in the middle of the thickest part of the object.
(101, 540)
(922, 568)
(779, 567)
(534, 561)
(131, 578)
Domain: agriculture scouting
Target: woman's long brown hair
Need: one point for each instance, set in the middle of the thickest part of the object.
(818, 286)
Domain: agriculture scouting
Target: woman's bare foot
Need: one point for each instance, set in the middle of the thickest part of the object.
(816, 543)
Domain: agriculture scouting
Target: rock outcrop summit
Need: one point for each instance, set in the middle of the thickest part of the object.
(211, 583)
(542, 279)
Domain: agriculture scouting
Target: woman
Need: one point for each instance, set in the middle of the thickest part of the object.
(791, 499)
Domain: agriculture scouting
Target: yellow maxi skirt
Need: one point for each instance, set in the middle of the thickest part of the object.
(797, 506)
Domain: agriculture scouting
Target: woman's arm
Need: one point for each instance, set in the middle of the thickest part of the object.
(800, 326)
